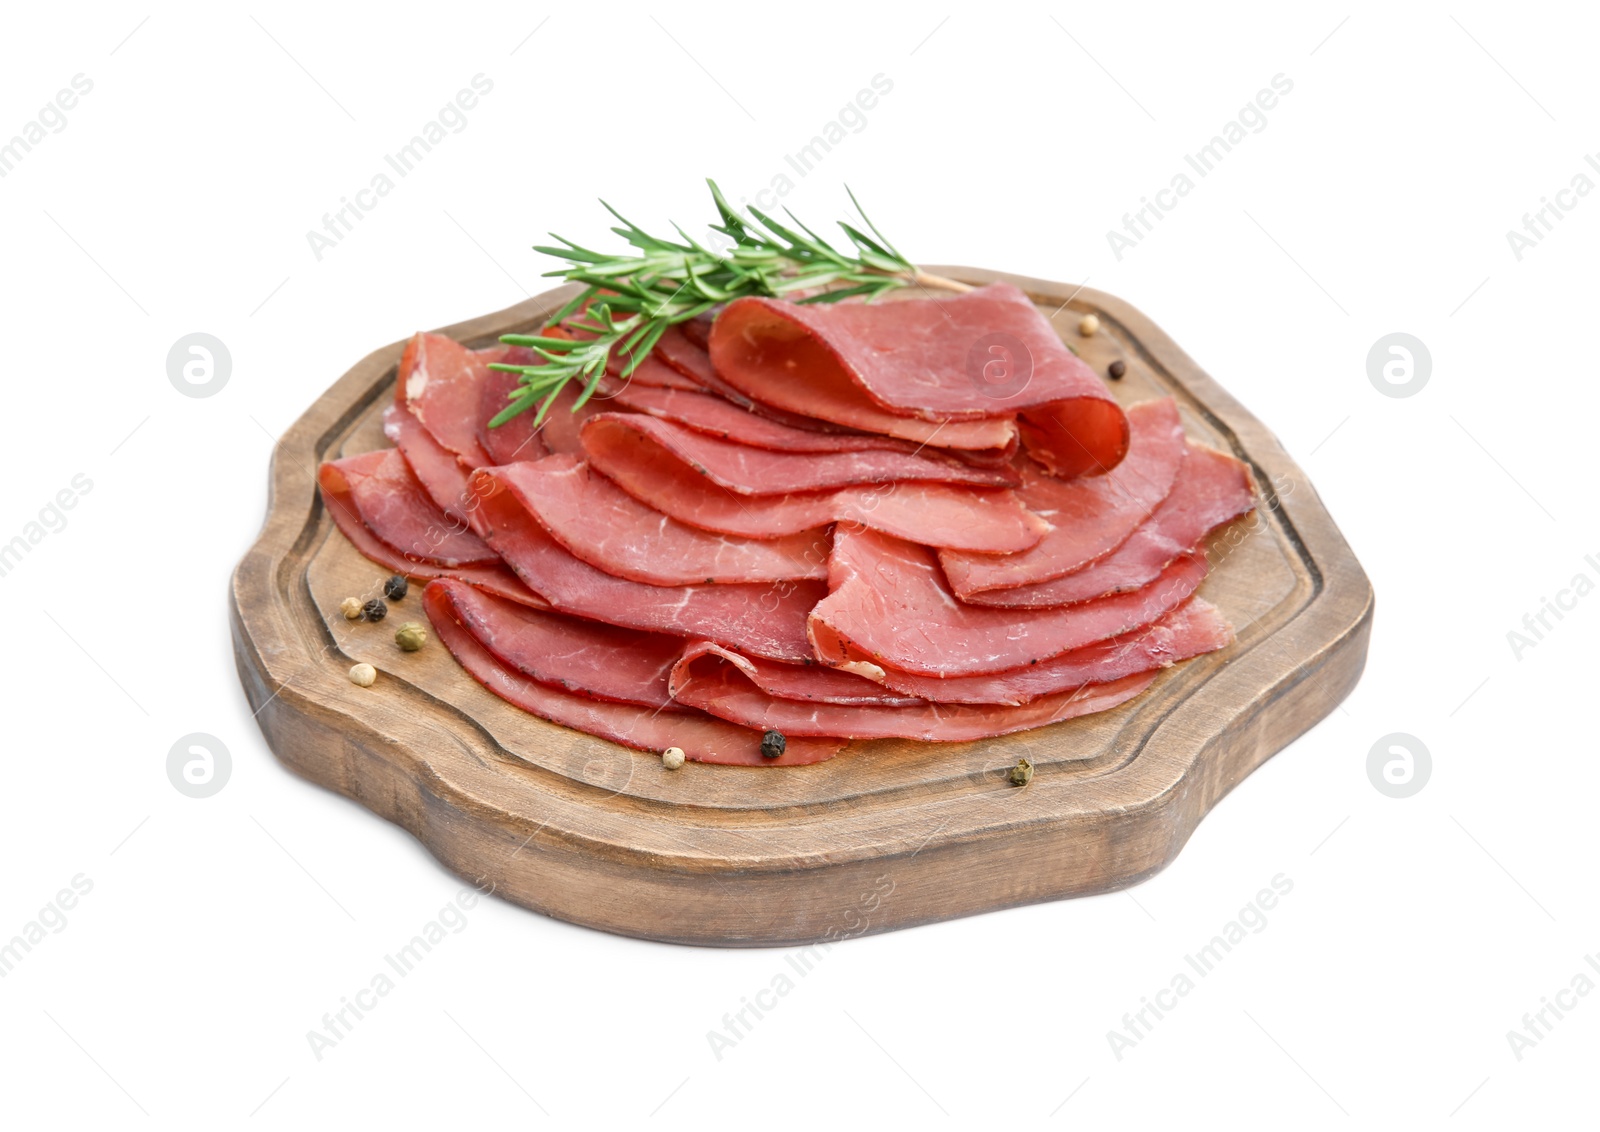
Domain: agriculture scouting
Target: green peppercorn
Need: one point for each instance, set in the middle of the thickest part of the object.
(411, 636)
(773, 744)
(374, 610)
(395, 588)
(1022, 773)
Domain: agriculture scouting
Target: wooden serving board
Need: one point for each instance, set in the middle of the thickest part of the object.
(886, 835)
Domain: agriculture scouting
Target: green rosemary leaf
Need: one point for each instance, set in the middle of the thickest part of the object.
(882, 239)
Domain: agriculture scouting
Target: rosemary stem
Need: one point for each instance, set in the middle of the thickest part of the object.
(928, 279)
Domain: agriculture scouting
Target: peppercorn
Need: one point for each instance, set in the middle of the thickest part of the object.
(411, 636)
(395, 588)
(672, 758)
(1088, 326)
(351, 608)
(363, 675)
(1117, 369)
(773, 744)
(374, 610)
(1022, 773)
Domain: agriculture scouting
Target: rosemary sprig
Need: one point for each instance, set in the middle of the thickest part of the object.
(629, 300)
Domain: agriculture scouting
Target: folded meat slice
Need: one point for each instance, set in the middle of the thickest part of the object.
(761, 619)
(1211, 489)
(606, 527)
(702, 738)
(335, 484)
(441, 382)
(959, 367)
(723, 689)
(813, 683)
(516, 439)
(394, 506)
(1089, 516)
(718, 417)
(1195, 627)
(697, 330)
(890, 607)
(586, 657)
(748, 470)
(653, 372)
(680, 351)
(562, 430)
(435, 466)
(930, 513)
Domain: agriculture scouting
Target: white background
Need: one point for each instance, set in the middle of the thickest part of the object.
(1377, 198)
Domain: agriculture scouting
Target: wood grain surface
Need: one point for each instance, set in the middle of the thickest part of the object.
(886, 835)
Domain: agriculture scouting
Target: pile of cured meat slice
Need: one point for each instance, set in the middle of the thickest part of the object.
(836, 521)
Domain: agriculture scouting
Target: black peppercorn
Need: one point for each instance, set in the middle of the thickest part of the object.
(395, 588)
(1117, 369)
(772, 745)
(374, 610)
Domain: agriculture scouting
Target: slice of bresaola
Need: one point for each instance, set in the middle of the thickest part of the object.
(678, 349)
(763, 619)
(653, 371)
(519, 438)
(585, 657)
(1089, 516)
(716, 416)
(441, 382)
(393, 505)
(748, 470)
(935, 514)
(889, 606)
(335, 484)
(687, 354)
(697, 330)
(1193, 628)
(515, 439)
(955, 370)
(1211, 489)
(723, 689)
(812, 683)
(435, 466)
(702, 738)
(720, 418)
(608, 528)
